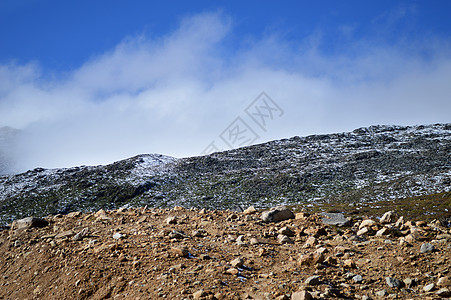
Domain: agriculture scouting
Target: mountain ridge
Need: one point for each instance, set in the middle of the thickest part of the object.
(368, 164)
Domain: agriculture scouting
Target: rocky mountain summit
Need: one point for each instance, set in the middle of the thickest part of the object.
(179, 253)
(405, 167)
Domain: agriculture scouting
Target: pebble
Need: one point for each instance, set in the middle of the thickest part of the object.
(357, 278)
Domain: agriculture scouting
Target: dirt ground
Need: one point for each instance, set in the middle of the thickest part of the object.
(197, 254)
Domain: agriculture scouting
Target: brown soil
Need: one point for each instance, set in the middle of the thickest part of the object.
(194, 256)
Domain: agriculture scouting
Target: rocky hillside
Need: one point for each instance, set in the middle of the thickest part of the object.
(353, 169)
(204, 254)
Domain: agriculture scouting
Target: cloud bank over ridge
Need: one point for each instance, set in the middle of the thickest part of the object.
(175, 94)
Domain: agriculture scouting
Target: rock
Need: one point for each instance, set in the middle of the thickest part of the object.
(382, 232)
(286, 231)
(363, 231)
(367, 223)
(171, 220)
(337, 219)
(277, 214)
(349, 263)
(357, 278)
(393, 282)
(29, 222)
(409, 282)
(381, 293)
(301, 295)
(250, 210)
(283, 239)
(240, 240)
(443, 292)
(388, 217)
(444, 281)
(177, 235)
(181, 252)
(232, 271)
(426, 248)
(199, 233)
(306, 259)
(444, 236)
(310, 242)
(313, 280)
(81, 235)
(74, 214)
(101, 215)
(400, 222)
(237, 262)
(429, 287)
(118, 236)
(199, 294)
(254, 241)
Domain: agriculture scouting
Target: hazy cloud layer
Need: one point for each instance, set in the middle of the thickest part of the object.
(175, 94)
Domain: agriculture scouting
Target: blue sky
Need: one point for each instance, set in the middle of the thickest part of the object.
(90, 82)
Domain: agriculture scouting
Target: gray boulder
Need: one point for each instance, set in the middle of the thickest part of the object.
(277, 214)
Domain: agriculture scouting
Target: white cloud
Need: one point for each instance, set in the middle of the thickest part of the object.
(176, 93)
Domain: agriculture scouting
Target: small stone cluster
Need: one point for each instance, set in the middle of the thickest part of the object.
(204, 254)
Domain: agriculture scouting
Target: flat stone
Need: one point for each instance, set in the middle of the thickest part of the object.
(381, 293)
(337, 219)
(277, 214)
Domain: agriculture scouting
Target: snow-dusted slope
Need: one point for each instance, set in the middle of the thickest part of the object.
(368, 164)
